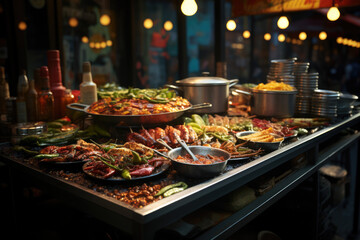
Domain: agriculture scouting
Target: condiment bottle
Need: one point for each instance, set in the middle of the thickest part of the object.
(45, 97)
(22, 88)
(32, 102)
(88, 90)
(69, 97)
(4, 92)
(37, 79)
(56, 87)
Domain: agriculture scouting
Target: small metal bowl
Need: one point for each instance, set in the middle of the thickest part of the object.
(266, 146)
(199, 170)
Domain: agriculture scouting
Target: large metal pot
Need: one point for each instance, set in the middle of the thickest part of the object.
(214, 90)
(280, 104)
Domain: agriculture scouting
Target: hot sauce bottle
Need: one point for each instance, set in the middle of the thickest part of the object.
(45, 98)
(56, 87)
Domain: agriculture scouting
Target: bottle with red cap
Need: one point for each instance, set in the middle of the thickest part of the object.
(56, 86)
(46, 98)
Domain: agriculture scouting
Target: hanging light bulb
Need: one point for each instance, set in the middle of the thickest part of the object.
(231, 25)
(322, 35)
(339, 40)
(302, 36)
(281, 37)
(73, 22)
(105, 19)
(283, 22)
(148, 23)
(189, 7)
(333, 14)
(267, 36)
(246, 34)
(168, 25)
(85, 39)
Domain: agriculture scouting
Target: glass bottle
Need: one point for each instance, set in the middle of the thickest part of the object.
(88, 90)
(69, 97)
(37, 79)
(22, 88)
(45, 97)
(32, 102)
(56, 87)
(4, 92)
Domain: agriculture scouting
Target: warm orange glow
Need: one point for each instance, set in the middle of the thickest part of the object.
(322, 35)
(85, 39)
(339, 40)
(97, 45)
(103, 44)
(267, 36)
(148, 23)
(105, 20)
(231, 25)
(246, 34)
(22, 26)
(333, 14)
(283, 22)
(302, 36)
(281, 37)
(109, 43)
(168, 25)
(92, 45)
(73, 22)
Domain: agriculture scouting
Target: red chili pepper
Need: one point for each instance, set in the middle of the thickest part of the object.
(142, 171)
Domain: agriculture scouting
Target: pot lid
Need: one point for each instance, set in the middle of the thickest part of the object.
(203, 81)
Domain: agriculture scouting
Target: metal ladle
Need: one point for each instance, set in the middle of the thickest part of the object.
(183, 144)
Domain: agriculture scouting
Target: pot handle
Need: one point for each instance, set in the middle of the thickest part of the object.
(233, 82)
(77, 107)
(242, 92)
(201, 105)
(173, 87)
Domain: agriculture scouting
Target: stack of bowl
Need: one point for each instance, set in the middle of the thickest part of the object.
(324, 103)
(301, 67)
(281, 70)
(345, 104)
(305, 83)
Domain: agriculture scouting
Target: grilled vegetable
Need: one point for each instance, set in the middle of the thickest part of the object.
(168, 187)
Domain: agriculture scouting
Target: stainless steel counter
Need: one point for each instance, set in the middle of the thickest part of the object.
(144, 222)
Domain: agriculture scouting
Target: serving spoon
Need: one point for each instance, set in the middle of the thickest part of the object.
(183, 144)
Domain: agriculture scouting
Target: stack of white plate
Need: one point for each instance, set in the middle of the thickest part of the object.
(305, 83)
(324, 103)
(281, 70)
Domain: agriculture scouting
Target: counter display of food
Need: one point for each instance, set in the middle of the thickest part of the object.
(144, 222)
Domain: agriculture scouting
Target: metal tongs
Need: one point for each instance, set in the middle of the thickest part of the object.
(163, 143)
(183, 144)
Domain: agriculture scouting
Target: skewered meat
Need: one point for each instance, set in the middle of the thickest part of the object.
(172, 132)
(149, 137)
(184, 132)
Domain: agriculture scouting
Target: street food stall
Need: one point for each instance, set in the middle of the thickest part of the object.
(125, 163)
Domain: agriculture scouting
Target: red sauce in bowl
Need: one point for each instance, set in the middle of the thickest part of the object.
(203, 159)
